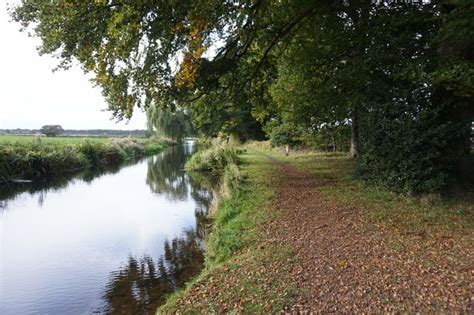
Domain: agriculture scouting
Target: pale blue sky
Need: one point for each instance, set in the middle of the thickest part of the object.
(32, 95)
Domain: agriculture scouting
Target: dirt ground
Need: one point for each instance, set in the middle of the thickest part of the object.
(312, 255)
(344, 263)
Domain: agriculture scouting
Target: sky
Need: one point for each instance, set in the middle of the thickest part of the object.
(31, 95)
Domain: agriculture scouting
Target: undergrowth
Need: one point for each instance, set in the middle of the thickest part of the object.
(32, 160)
(214, 159)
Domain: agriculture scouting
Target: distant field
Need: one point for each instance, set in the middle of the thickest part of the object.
(48, 140)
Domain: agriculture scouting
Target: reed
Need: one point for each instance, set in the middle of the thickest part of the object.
(33, 160)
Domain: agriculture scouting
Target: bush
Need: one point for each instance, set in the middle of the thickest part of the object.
(221, 161)
(410, 148)
(232, 175)
(215, 159)
(329, 138)
(152, 147)
(284, 134)
(326, 137)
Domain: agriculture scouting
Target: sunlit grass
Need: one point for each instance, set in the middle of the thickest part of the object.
(32, 158)
(8, 139)
(419, 215)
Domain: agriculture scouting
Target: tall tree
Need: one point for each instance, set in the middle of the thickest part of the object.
(173, 124)
(399, 72)
(52, 130)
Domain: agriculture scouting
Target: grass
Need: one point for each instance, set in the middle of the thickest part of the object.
(35, 158)
(241, 257)
(214, 159)
(238, 213)
(221, 164)
(8, 139)
(429, 215)
(239, 275)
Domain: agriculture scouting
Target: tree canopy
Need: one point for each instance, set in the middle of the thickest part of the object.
(175, 125)
(401, 74)
(52, 130)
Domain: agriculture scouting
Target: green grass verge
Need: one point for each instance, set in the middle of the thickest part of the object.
(422, 216)
(239, 275)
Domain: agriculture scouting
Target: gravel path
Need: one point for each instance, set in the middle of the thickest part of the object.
(346, 264)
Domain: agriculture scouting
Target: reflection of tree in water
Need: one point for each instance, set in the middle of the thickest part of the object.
(142, 285)
(54, 183)
(202, 187)
(166, 173)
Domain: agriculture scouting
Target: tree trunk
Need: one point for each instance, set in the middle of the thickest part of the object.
(354, 152)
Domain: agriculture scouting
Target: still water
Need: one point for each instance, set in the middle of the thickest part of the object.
(114, 241)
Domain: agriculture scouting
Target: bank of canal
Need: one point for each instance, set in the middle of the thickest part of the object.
(118, 242)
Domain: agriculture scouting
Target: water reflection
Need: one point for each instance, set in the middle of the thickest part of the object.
(106, 241)
(41, 188)
(166, 173)
(143, 284)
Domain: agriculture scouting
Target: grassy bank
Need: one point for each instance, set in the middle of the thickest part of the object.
(219, 163)
(16, 139)
(240, 257)
(36, 158)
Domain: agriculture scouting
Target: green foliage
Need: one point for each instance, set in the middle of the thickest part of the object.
(238, 211)
(52, 130)
(212, 116)
(232, 176)
(455, 41)
(303, 63)
(115, 151)
(329, 138)
(27, 140)
(133, 45)
(153, 147)
(325, 138)
(32, 161)
(226, 237)
(214, 159)
(414, 130)
(410, 149)
(173, 124)
(283, 134)
(23, 160)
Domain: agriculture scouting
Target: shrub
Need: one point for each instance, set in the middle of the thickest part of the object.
(232, 177)
(214, 159)
(410, 148)
(152, 147)
(92, 151)
(131, 147)
(328, 138)
(284, 134)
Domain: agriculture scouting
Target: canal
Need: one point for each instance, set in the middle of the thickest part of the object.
(105, 241)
